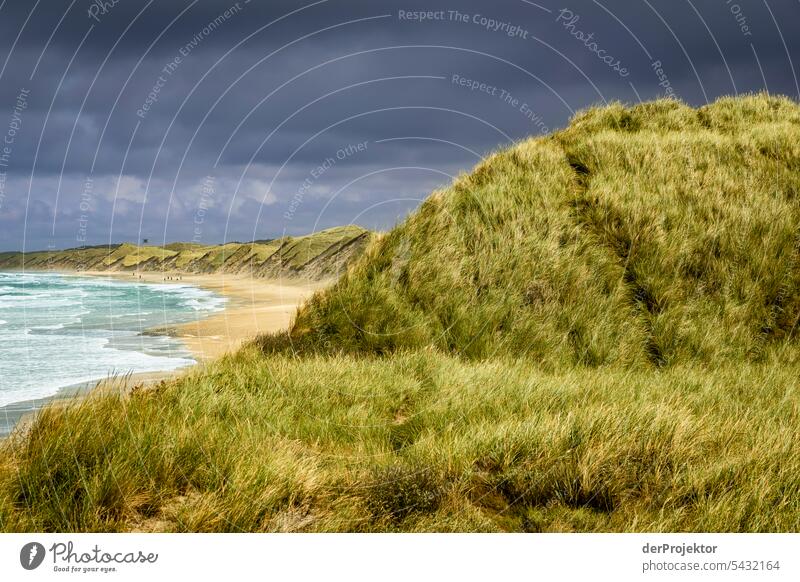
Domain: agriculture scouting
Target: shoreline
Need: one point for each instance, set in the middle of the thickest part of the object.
(254, 306)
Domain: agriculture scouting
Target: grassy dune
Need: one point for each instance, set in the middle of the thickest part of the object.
(592, 331)
(637, 237)
(315, 256)
(418, 442)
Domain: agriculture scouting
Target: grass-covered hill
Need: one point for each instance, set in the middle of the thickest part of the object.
(319, 255)
(646, 236)
(593, 331)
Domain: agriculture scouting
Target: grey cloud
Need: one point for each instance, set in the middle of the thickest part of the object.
(335, 74)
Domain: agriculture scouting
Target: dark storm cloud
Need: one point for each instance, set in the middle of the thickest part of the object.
(132, 106)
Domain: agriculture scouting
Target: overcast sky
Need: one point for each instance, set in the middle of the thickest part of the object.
(212, 120)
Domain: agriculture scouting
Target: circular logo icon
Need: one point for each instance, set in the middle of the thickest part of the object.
(31, 555)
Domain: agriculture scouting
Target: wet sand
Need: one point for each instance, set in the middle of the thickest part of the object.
(254, 307)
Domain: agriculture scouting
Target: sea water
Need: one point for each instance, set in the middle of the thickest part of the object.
(62, 330)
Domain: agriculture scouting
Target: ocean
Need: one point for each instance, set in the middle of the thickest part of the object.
(62, 330)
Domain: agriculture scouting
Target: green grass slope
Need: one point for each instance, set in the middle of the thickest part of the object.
(320, 255)
(420, 441)
(643, 236)
(593, 331)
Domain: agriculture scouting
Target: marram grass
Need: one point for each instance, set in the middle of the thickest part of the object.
(418, 442)
(641, 237)
(593, 331)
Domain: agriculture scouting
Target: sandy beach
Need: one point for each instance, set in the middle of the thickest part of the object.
(255, 306)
